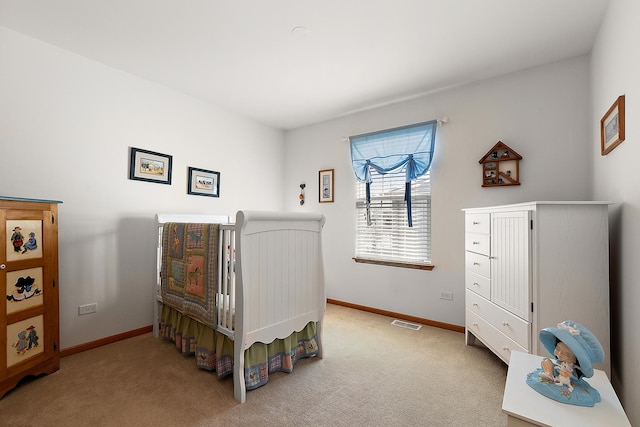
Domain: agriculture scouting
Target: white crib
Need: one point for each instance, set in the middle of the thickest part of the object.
(270, 278)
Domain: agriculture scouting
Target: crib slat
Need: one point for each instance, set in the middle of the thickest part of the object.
(225, 292)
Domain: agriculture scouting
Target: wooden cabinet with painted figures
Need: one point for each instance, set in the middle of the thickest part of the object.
(29, 313)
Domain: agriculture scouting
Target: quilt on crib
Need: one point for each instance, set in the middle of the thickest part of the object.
(189, 269)
(213, 350)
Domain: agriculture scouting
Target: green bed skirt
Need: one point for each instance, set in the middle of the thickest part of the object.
(214, 351)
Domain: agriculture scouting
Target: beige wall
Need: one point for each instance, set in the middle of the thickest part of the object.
(541, 113)
(615, 67)
(66, 125)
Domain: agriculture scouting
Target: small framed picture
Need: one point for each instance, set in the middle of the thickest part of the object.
(203, 182)
(326, 186)
(150, 166)
(612, 127)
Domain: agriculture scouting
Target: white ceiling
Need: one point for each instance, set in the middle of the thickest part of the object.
(356, 54)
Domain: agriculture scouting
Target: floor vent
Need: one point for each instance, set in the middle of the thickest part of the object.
(408, 325)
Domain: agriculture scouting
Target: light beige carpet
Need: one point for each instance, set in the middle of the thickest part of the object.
(373, 374)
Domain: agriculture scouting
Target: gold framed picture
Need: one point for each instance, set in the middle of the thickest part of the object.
(612, 127)
(325, 181)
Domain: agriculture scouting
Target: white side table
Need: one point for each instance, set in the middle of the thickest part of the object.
(526, 407)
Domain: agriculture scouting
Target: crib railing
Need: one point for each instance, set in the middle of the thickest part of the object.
(226, 286)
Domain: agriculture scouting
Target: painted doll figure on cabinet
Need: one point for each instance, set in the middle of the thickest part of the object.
(575, 349)
(26, 340)
(17, 238)
(31, 244)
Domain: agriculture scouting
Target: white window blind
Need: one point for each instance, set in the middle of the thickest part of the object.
(389, 238)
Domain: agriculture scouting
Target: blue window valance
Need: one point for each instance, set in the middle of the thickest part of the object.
(409, 147)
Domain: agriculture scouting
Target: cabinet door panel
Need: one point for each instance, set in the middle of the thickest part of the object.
(24, 289)
(24, 239)
(25, 340)
(510, 262)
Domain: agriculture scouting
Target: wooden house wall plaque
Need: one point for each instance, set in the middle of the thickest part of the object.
(500, 166)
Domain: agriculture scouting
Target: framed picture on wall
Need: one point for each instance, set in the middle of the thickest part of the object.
(150, 166)
(612, 127)
(326, 186)
(203, 182)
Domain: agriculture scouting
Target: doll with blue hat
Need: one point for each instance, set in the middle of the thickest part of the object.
(576, 349)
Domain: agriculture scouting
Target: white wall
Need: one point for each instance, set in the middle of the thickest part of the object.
(66, 125)
(615, 69)
(541, 113)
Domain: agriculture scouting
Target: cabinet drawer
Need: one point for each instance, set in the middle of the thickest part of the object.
(497, 342)
(507, 323)
(475, 242)
(479, 264)
(478, 284)
(477, 223)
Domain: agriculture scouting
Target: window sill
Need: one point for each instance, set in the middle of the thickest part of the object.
(394, 264)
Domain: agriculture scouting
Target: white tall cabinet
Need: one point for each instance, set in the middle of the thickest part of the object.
(533, 265)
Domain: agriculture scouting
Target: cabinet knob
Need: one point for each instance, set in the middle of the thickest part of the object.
(505, 348)
(475, 324)
(475, 304)
(476, 243)
(505, 323)
(2, 267)
(476, 284)
(475, 223)
(476, 263)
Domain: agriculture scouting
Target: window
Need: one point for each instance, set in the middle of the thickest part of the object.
(389, 238)
(393, 200)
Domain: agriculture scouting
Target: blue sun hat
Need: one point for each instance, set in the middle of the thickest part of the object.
(580, 340)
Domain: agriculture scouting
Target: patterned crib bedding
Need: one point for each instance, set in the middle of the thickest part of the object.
(214, 351)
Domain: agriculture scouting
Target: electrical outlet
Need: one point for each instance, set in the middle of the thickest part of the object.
(446, 295)
(87, 309)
